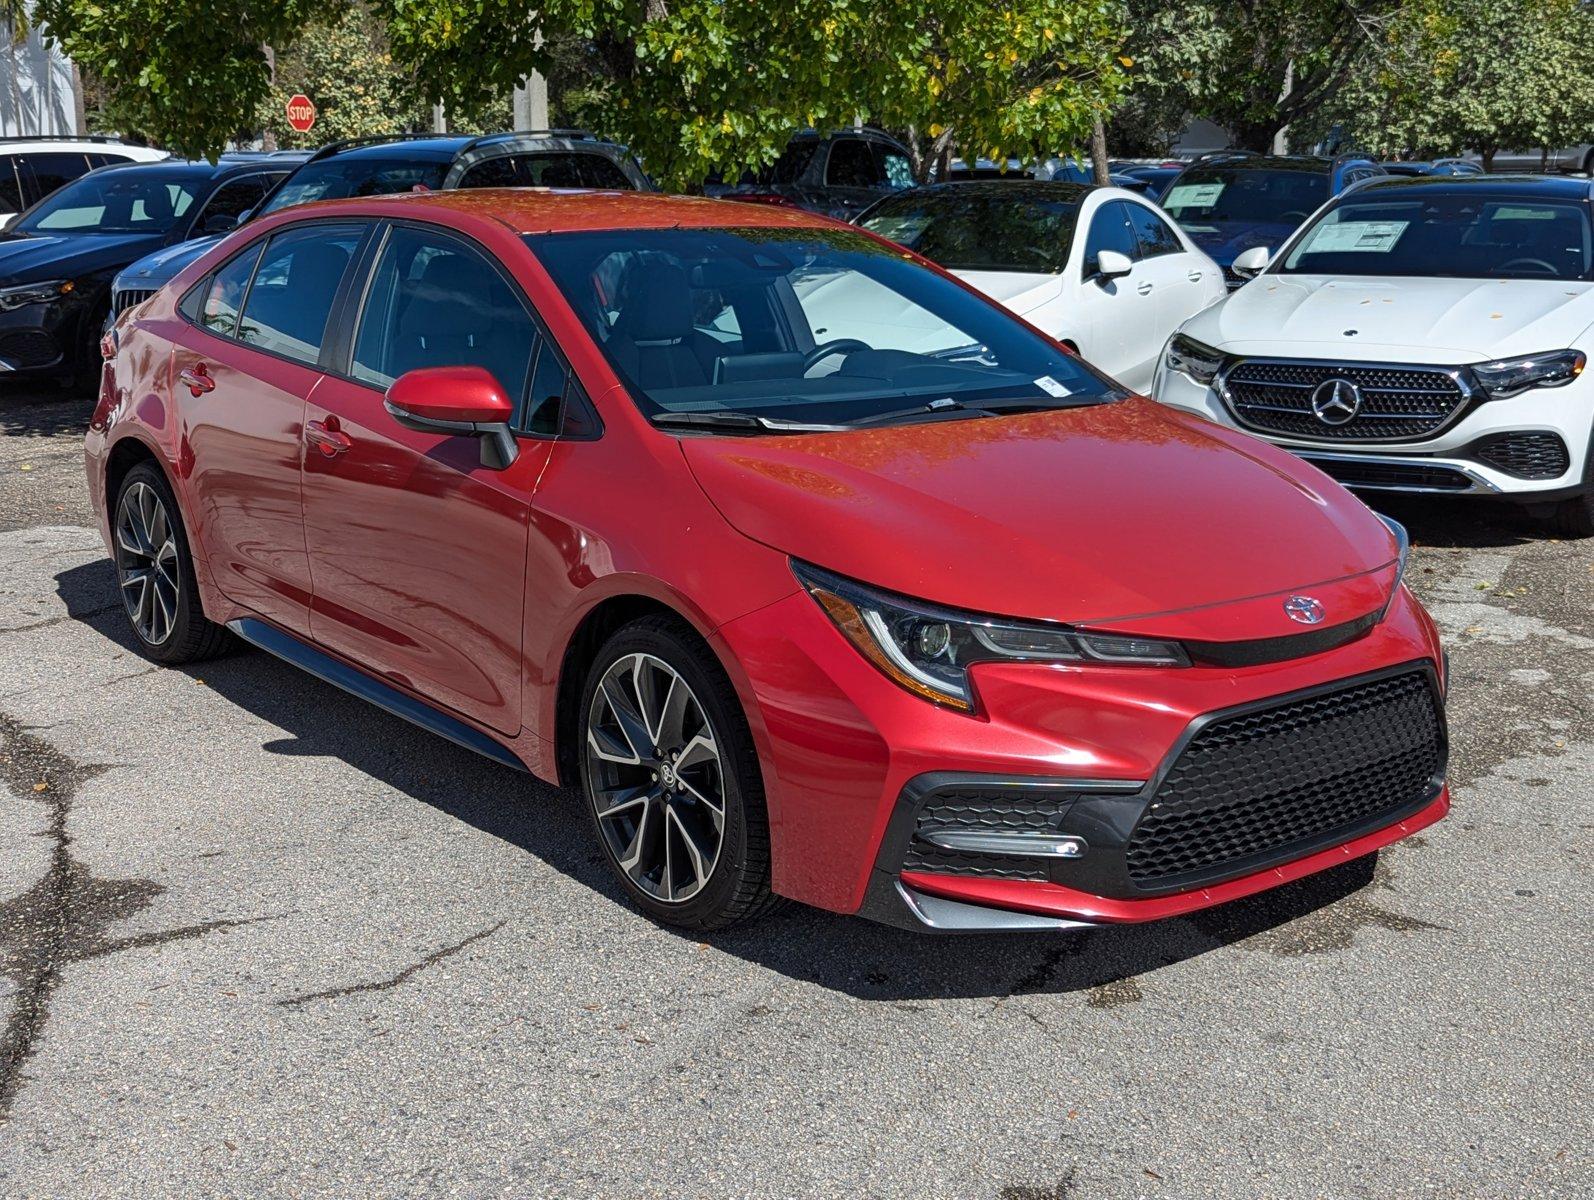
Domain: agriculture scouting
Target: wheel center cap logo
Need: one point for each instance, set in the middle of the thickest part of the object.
(1303, 609)
(1336, 401)
(667, 775)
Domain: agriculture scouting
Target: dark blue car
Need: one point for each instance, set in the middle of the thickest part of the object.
(1231, 202)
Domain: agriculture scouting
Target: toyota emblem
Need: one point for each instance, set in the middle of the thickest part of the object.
(1336, 401)
(1304, 609)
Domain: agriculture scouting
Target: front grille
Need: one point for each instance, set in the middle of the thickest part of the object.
(1415, 475)
(1265, 785)
(1398, 403)
(1525, 455)
(124, 298)
(27, 348)
(994, 810)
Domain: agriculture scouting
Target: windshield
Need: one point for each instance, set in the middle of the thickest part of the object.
(335, 179)
(1468, 235)
(1257, 195)
(799, 324)
(136, 201)
(971, 229)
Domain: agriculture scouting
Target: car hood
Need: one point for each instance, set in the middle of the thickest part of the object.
(1018, 291)
(39, 256)
(1468, 320)
(154, 270)
(1107, 515)
(1224, 241)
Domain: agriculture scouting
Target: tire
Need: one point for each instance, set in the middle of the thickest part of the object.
(1574, 518)
(155, 572)
(654, 759)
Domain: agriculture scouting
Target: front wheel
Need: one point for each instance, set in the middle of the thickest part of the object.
(672, 780)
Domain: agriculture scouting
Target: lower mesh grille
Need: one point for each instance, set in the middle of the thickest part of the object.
(1415, 475)
(1525, 455)
(28, 348)
(1259, 784)
(990, 810)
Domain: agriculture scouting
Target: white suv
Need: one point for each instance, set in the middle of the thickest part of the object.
(32, 168)
(1416, 335)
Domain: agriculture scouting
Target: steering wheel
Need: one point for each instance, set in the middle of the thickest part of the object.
(1547, 267)
(835, 346)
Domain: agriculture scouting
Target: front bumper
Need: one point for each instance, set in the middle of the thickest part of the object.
(37, 339)
(849, 760)
(1463, 460)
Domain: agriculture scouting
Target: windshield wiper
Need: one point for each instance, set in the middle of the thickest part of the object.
(740, 422)
(981, 408)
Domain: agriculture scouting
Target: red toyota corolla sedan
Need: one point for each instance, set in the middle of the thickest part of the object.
(820, 575)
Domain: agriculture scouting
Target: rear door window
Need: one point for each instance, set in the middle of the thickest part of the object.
(294, 286)
(852, 164)
(224, 294)
(10, 186)
(52, 171)
(1152, 232)
(233, 199)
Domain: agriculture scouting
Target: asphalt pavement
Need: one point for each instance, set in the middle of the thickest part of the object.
(258, 938)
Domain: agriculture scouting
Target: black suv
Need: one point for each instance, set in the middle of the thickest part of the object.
(57, 259)
(839, 174)
(417, 162)
(1231, 201)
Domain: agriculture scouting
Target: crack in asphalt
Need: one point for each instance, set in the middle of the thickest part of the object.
(62, 918)
(393, 981)
(63, 617)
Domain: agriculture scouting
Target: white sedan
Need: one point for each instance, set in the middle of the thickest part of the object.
(1417, 335)
(1097, 268)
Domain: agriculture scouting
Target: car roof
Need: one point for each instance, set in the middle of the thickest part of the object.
(198, 168)
(1267, 162)
(445, 147)
(561, 210)
(1504, 185)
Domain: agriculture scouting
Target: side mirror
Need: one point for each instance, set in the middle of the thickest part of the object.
(1248, 264)
(219, 223)
(1112, 265)
(464, 401)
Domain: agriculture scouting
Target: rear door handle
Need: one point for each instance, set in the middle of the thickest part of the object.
(197, 379)
(1144, 289)
(327, 437)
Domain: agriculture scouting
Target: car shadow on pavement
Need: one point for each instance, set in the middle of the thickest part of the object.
(1459, 522)
(847, 954)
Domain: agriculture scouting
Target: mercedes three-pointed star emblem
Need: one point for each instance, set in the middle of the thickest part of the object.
(1336, 401)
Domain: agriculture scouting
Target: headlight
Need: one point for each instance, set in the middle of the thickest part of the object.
(34, 293)
(928, 650)
(1509, 376)
(1192, 359)
(1402, 554)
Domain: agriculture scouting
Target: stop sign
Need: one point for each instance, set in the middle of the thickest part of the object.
(301, 113)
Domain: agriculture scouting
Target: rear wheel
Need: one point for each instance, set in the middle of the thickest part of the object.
(155, 572)
(672, 779)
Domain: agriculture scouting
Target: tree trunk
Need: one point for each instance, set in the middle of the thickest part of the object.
(1098, 152)
(1487, 154)
(268, 137)
(80, 113)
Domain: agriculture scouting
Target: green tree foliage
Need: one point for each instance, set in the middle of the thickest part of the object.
(692, 85)
(346, 68)
(1484, 75)
(1252, 66)
(190, 72)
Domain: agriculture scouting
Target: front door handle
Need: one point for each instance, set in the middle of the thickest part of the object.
(197, 379)
(327, 437)
(1194, 276)
(1144, 289)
